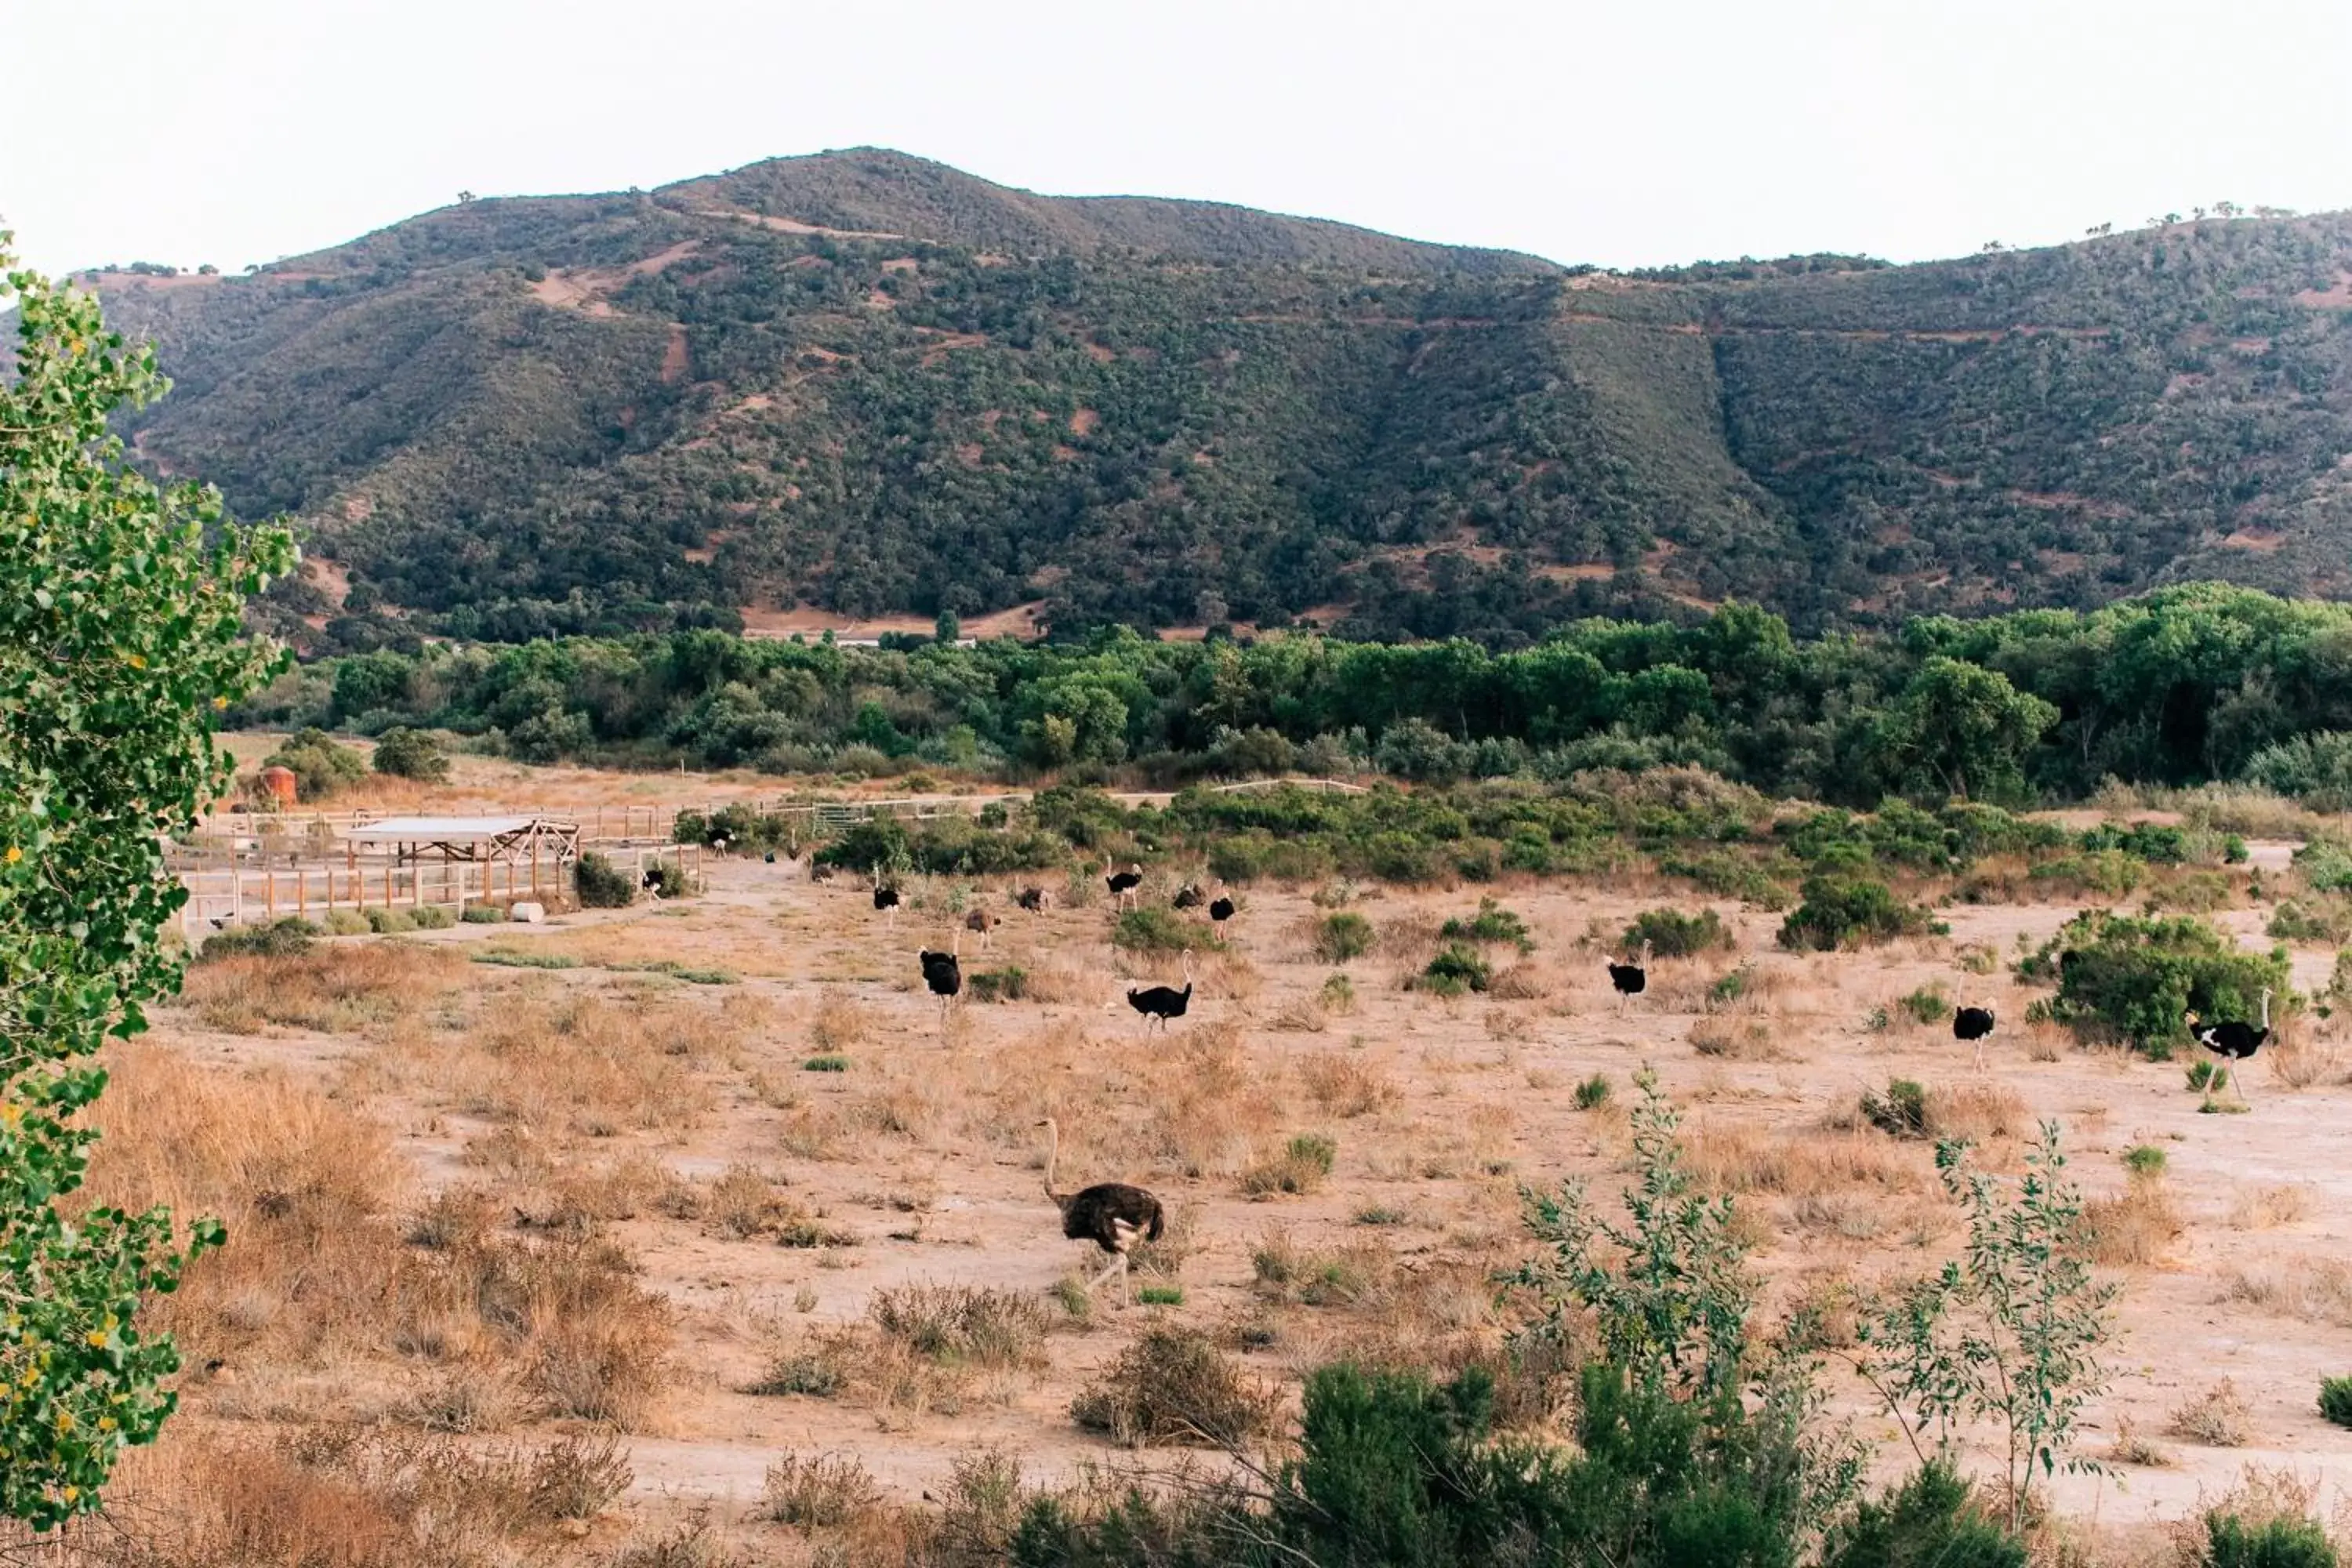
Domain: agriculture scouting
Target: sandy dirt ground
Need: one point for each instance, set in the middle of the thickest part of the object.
(922, 1162)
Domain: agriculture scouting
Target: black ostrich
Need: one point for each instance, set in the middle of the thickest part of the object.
(1162, 1002)
(1973, 1024)
(1122, 885)
(2234, 1040)
(1112, 1215)
(770, 857)
(1631, 979)
(886, 899)
(1188, 897)
(1036, 901)
(1221, 909)
(943, 974)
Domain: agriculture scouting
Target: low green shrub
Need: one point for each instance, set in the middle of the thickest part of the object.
(483, 915)
(1154, 929)
(1674, 934)
(2144, 1160)
(1932, 1520)
(1160, 1295)
(1010, 983)
(1491, 924)
(1929, 1005)
(408, 753)
(519, 958)
(2335, 1400)
(826, 1064)
(282, 938)
(1850, 911)
(1455, 970)
(1343, 936)
(346, 922)
(2282, 1541)
(601, 884)
(393, 922)
(432, 917)
(2321, 919)
(1594, 1092)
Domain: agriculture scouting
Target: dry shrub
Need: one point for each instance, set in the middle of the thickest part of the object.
(2317, 1290)
(1346, 1086)
(810, 1132)
(1410, 937)
(1502, 1023)
(2218, 1418)
(2130, 1448)
(822, 1492)
(2267, 1207)
(744, 1203)
(1179, 1239)
(2262, 1495)
(841, 1024)
(1173, 1386)
(1976, 1111)
(1750, 1041)
(1302, 1014)
(1358, 1276)
(1057, 981)
(1523, 983)
(335, 989)
(2299, 1059)
(2133, 1229)
(461, 1400)
(900, 1107)
(963, 1324)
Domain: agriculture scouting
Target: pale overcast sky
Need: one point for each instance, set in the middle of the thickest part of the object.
(1621, 134)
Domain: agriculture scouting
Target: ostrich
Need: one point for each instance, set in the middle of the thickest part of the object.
(943, 974)
(718, 846)
(1112, 1215)
(1973, 1024)
(1221, 909)
(1162, 1002)
(986, 923)
(652, 881)
(886, 899)
(1188, 897)
(1631, 979)
(819, 871)
(2236, 1041)
(1036, 901)
(1123, 884)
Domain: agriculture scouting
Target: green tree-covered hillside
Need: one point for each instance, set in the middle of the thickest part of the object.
(876, 384)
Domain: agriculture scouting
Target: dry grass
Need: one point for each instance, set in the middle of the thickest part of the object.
(1977, 1110)
(1743, 1041)
(2268, 1207)
(2317, 1290)
(2299, 1059)
(334, 988)
(1732, 1159)
(821, 1491)
(1346, 1086)
(963, 1324)
(2134, 1228)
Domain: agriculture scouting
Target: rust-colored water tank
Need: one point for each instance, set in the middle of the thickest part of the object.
(278, 784)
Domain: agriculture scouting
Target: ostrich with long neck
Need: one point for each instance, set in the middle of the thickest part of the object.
(1112, 1215)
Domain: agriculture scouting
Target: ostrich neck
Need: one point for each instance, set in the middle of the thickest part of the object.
(1052, 1154)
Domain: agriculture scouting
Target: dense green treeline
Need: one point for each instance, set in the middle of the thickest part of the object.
(2191, 683)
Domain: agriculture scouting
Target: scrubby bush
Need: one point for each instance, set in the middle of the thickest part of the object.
(2232, 1541)
(488, 914)
(1932, 1520)
(390, 920)
(346, 922)
(1929, 1005)
(2335, 1400)
(1674, 934)
(1493, 925)
(432, 917)
(1010, 983)
(320, 765)
(2138, 977)
(1154, 929)
(601, 884)
(1848, 911)
(282, 938)
(1455, 970)
(1343, 936)
(667, 878)
(1594, 1092)
(1900, 1112)
(1172, 1385)
(408, 753)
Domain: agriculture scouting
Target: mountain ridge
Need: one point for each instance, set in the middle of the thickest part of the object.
(881, 384)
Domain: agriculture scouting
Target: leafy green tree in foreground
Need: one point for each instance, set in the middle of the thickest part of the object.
(120, 609)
